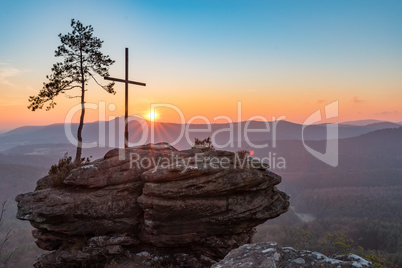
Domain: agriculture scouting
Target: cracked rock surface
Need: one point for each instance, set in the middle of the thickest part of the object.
(152, 198)
(268, 254)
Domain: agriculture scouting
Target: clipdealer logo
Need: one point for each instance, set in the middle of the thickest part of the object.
(331, 155)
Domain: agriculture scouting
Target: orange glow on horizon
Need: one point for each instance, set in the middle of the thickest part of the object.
(215, 107)
(152, 115)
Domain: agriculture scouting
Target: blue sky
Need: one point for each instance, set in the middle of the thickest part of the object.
(322, 50)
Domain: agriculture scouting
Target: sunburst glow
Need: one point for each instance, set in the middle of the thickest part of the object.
(152, 115)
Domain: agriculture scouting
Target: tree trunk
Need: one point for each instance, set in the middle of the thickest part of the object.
(77, 159)
(79, 131)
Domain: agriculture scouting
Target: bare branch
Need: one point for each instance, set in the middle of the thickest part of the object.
(5, 239)
(3, 209)
(69, 88)
(96, 81)
(107, 88)
(71, 97)
(5, 257)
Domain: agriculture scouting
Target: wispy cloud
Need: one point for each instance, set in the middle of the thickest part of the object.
(31, 89)
(356, 100)
(248, 90)
(6, 72)
(389, 113)
(7, 100)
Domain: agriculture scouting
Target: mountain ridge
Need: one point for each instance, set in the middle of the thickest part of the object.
(280, 130)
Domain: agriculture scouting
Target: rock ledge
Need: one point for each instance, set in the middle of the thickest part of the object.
(270, 254)
(157, 199)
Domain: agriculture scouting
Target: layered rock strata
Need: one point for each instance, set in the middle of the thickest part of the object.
(153, 197)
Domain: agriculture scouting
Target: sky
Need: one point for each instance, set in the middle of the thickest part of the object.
(206, 58)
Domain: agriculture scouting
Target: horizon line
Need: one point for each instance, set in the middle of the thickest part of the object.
(161, 122)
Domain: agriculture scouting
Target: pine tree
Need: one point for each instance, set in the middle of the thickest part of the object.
(82, 61)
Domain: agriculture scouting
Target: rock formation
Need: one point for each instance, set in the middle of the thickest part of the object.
(195, 206)
(273, 255)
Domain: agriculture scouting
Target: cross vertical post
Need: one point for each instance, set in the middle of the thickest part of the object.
(126, 82)
(126, 105)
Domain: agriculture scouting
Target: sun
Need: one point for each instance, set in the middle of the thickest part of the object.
(152, 115)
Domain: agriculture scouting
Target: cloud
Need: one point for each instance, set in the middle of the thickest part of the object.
(389, 113)
(249, 90)
(6, 73)
(29, 88)
(356, 100)
(13, 103)
(321, 101)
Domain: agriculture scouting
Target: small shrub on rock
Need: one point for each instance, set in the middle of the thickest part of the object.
(205, 145)
(58, 172)
(243, 154)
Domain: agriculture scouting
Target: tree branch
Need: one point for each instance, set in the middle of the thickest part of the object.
(69, 88)
(71, 97)
(3, 209)
(108, 88)
(5, 260)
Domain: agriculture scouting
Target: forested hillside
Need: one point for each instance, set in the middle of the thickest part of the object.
(361, 198)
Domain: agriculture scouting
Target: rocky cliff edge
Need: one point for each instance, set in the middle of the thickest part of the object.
(192, 205)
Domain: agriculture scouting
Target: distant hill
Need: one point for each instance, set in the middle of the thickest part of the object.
(375, 154)
(170, 132)
(18, 178)
(372, 159)
(49, 153)
(44, 161)
(382, 125)
(363, 122)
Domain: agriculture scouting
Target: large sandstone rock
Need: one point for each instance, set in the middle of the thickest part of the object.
(200, 204)
(273, 255)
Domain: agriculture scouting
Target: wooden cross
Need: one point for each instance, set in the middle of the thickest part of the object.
(126, 81)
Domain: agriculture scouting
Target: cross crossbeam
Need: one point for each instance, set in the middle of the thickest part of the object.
(126, 81)
(123, 81)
